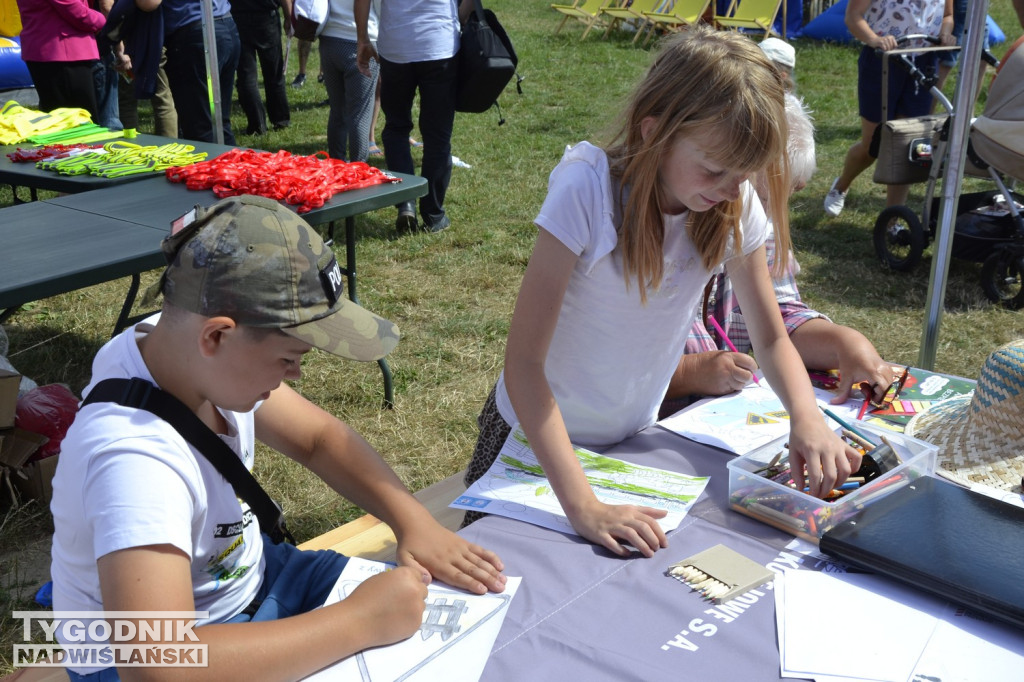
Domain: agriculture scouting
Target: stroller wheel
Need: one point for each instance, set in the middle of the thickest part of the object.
(899, 238)
(1001, 279)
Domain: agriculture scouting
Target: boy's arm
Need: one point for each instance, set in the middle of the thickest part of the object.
(384, 609)
(346, 462)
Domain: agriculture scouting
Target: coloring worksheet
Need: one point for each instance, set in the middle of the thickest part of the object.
(744, 421)
(515, 486)
(458, 632)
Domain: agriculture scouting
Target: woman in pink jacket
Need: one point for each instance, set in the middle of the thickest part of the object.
(58, 44)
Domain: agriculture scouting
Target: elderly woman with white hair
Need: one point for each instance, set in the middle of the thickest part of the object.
(705, 370)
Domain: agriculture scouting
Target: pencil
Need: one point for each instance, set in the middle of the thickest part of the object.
(843, 424)
(725, 339)
(859, 440)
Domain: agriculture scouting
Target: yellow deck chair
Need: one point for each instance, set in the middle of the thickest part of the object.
(682, 14)
(586, 11)
(633, 12)
(758, 15)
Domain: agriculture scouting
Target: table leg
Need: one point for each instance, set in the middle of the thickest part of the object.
(33, 196)
(350, 274)
(126, 307)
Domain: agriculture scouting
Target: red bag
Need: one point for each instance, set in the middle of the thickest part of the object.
(47, 410)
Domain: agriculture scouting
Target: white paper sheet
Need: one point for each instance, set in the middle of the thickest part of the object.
(515, 486)
(744, 421)
(452, 645)
(966, 649)
(868, 615)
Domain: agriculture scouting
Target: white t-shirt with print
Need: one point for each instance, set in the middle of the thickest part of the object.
(126, 478)
(899, 18)
(611, 357)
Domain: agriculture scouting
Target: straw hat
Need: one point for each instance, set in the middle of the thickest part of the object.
(981, 435)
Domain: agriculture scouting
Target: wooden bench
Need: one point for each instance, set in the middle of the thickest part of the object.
(370, 538)
(366, 537)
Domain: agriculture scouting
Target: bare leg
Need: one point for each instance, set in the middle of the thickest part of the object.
(857, 157)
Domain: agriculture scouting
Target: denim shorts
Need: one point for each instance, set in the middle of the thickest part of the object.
(959, 19)
(906, 97)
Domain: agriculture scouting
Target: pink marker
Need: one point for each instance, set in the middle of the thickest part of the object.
(725, 338)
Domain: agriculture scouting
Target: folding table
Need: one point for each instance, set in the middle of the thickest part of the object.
(49, 250)
(154, 204)
(27, 175)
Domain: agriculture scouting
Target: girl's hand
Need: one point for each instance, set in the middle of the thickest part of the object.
(826, 458)
(857, 365)
(884, 43)
(721, 372)
(615, 525)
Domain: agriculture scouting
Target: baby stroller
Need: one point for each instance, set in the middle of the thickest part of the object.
(989, 226)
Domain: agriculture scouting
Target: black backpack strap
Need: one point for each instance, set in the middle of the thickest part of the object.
(142, 395)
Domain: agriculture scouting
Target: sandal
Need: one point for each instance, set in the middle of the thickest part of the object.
(375, 150)
(414, 143)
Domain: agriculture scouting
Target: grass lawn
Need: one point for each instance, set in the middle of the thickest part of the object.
(452, 293)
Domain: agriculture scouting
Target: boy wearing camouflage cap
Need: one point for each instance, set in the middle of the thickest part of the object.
(143, 522)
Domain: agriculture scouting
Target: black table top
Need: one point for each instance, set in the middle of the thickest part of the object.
(156, 203)
(27, 175)
(49, 250)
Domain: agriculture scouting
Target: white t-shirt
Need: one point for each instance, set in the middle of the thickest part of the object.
(126, 478)
(341, 21)
(418, 30)
(611, 358)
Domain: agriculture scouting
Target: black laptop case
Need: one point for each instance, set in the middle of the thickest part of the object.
(960, 545)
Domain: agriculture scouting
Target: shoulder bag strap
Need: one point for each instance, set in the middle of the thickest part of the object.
(142, 395)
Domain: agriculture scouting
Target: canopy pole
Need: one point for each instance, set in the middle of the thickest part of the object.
(953, 176)
(213, 71)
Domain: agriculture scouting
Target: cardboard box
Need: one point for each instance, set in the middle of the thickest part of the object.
(18, 445)
(32, 480)
(38, 481)
(9, 383)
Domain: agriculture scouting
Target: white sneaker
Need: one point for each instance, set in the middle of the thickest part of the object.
(834, 200)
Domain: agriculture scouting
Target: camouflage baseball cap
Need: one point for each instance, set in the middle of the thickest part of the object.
(254, 260)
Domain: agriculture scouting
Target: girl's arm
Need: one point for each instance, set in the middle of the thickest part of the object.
(812, 444)
(533, 325)
(859, 28)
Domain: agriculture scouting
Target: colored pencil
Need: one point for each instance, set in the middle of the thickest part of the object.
(725, 339)
(846, 426)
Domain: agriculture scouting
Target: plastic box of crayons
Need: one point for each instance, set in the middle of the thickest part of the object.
(760, 487)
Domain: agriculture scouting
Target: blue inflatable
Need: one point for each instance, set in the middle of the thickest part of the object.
(13, 72)
(830, 26)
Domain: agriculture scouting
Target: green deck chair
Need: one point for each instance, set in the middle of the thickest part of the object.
(683, 13)
(586, 11)
(758, 15)
(633, 12)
